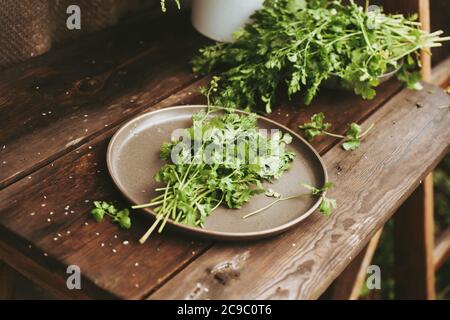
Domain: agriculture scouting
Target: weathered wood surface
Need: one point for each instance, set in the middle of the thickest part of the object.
(81, 175)
(7, 276)
(370, 184)
(54, 103)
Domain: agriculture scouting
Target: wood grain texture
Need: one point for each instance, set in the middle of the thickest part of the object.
(7, 281)
(54, 103)
(414, 222)
(370, 184)
(81, 175)
(349, 283)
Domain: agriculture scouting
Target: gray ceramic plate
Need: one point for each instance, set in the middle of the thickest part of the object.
(133, 160)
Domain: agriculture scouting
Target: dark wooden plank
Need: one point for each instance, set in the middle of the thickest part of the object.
(74, 178)
(61, 232)
(7, 278)
(370, 184)
(414, 221)
(414, 244)
(56, 102)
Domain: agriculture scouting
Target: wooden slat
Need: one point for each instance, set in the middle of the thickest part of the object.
(370, 184)
(54, 103)
(442, 249)
(349, 283)
(74, 178)
(441, 76)
(414, 223)
(414, 243)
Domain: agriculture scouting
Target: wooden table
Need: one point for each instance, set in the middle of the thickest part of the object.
(58, 112)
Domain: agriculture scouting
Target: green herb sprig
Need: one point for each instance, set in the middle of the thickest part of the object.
(318, 127)
(326, 204)
(230, 175)
(103, 208)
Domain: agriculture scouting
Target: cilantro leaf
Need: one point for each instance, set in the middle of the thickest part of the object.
(316, 127)
(102, 208)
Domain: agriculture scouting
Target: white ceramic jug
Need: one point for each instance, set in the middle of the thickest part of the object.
(219, 19)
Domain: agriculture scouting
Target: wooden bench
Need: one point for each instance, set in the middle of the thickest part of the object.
(58, 112)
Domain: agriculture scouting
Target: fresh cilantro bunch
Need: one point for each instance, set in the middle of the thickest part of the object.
(296, 45)
(102, 208)
(318, 127)
(231, 161)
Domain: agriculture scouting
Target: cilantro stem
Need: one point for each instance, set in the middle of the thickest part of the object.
(334, 135)
(150, 230)
(367, 130)
(273, 203)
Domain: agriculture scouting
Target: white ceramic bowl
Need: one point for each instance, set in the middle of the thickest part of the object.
(219, 19)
